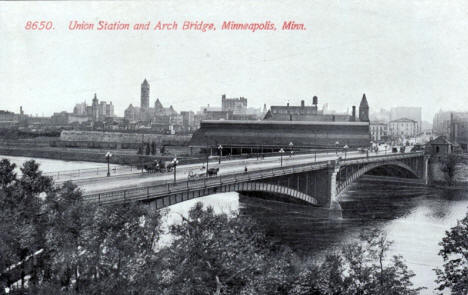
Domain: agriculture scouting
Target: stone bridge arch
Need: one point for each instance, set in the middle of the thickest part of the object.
(342, 186)
(261, 187)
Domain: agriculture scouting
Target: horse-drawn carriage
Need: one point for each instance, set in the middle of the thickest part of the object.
(158, 166)
(210, 172)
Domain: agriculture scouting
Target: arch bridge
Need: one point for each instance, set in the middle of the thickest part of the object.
(318, 184)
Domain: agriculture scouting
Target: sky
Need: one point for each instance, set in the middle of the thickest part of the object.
(399, 53)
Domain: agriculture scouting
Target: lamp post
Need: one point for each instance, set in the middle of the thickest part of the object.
(336, 147)
(108, 156)
(220, 152)
(345, 149)
(291, 145)
(175, 162)
(281, 151)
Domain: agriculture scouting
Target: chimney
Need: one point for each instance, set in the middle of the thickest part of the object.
(315, 100)
(354, 114)
(302, 103)
(287, 104)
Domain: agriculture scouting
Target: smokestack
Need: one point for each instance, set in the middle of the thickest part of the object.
(287, 104)
(302, 103)
(315, 100)
(354, 113)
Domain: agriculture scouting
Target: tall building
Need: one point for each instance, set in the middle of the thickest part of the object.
(145, 89)
(364, 109)
(459, 129)
(95, 109)
(441, 123)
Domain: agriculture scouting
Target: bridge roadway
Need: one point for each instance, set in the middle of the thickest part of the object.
(262, 176)
(93, 185)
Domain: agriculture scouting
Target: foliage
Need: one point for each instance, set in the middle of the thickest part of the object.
(358, 268)
(147, 148)
(454, 275)
(21, 221)
(76, 247)
(449, 167)
(140, 150)
(219, 254)
(90, 249)
(153, 148)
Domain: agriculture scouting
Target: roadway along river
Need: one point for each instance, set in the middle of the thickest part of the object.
(415, 218)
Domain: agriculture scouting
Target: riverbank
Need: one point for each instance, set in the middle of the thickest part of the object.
(120, 157)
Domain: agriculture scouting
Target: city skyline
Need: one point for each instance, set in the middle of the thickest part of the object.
(411, 55)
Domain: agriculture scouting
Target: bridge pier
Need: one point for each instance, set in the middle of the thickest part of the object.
(333, 204)
(425, 170)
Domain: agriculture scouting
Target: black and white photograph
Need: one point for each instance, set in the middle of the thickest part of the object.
(234, 147)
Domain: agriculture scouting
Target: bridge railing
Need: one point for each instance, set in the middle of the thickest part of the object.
(164, 188)
(65, 175)
(376, 158)
(169, 187)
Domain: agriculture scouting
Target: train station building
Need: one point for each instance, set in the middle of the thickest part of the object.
(299, 128)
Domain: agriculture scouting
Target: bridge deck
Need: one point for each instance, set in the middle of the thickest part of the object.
(163, 189)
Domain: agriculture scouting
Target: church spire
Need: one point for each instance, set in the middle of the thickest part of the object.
(364, 109)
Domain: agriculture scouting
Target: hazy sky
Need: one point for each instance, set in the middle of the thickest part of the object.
(412, 53)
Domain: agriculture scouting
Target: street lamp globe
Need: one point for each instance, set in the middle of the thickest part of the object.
(220, 152)
(108, 156)
(281, 151)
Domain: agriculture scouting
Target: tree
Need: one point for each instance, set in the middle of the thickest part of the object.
(7, 173)
(153, 148)
(220, 254)
(67, 245)
(21, 220)
(147, 148)
(358, 268)
(97, 250)
(449, 167)
(140, 150)
(454, 274)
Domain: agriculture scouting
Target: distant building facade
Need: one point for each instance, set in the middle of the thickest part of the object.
(97, 111)
(234, 105)
(441, 123)
(413, 113)
(312, 113)
(403, 128)
(452, 125)
(459, 129)
(378, 131)
(159, 118)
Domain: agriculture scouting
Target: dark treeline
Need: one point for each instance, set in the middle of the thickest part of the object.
(12, 133)
(82, 248)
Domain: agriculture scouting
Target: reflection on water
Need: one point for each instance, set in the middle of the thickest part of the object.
(415, 218)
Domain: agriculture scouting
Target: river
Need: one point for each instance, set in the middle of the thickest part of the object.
(414, 218)
(50, 165)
